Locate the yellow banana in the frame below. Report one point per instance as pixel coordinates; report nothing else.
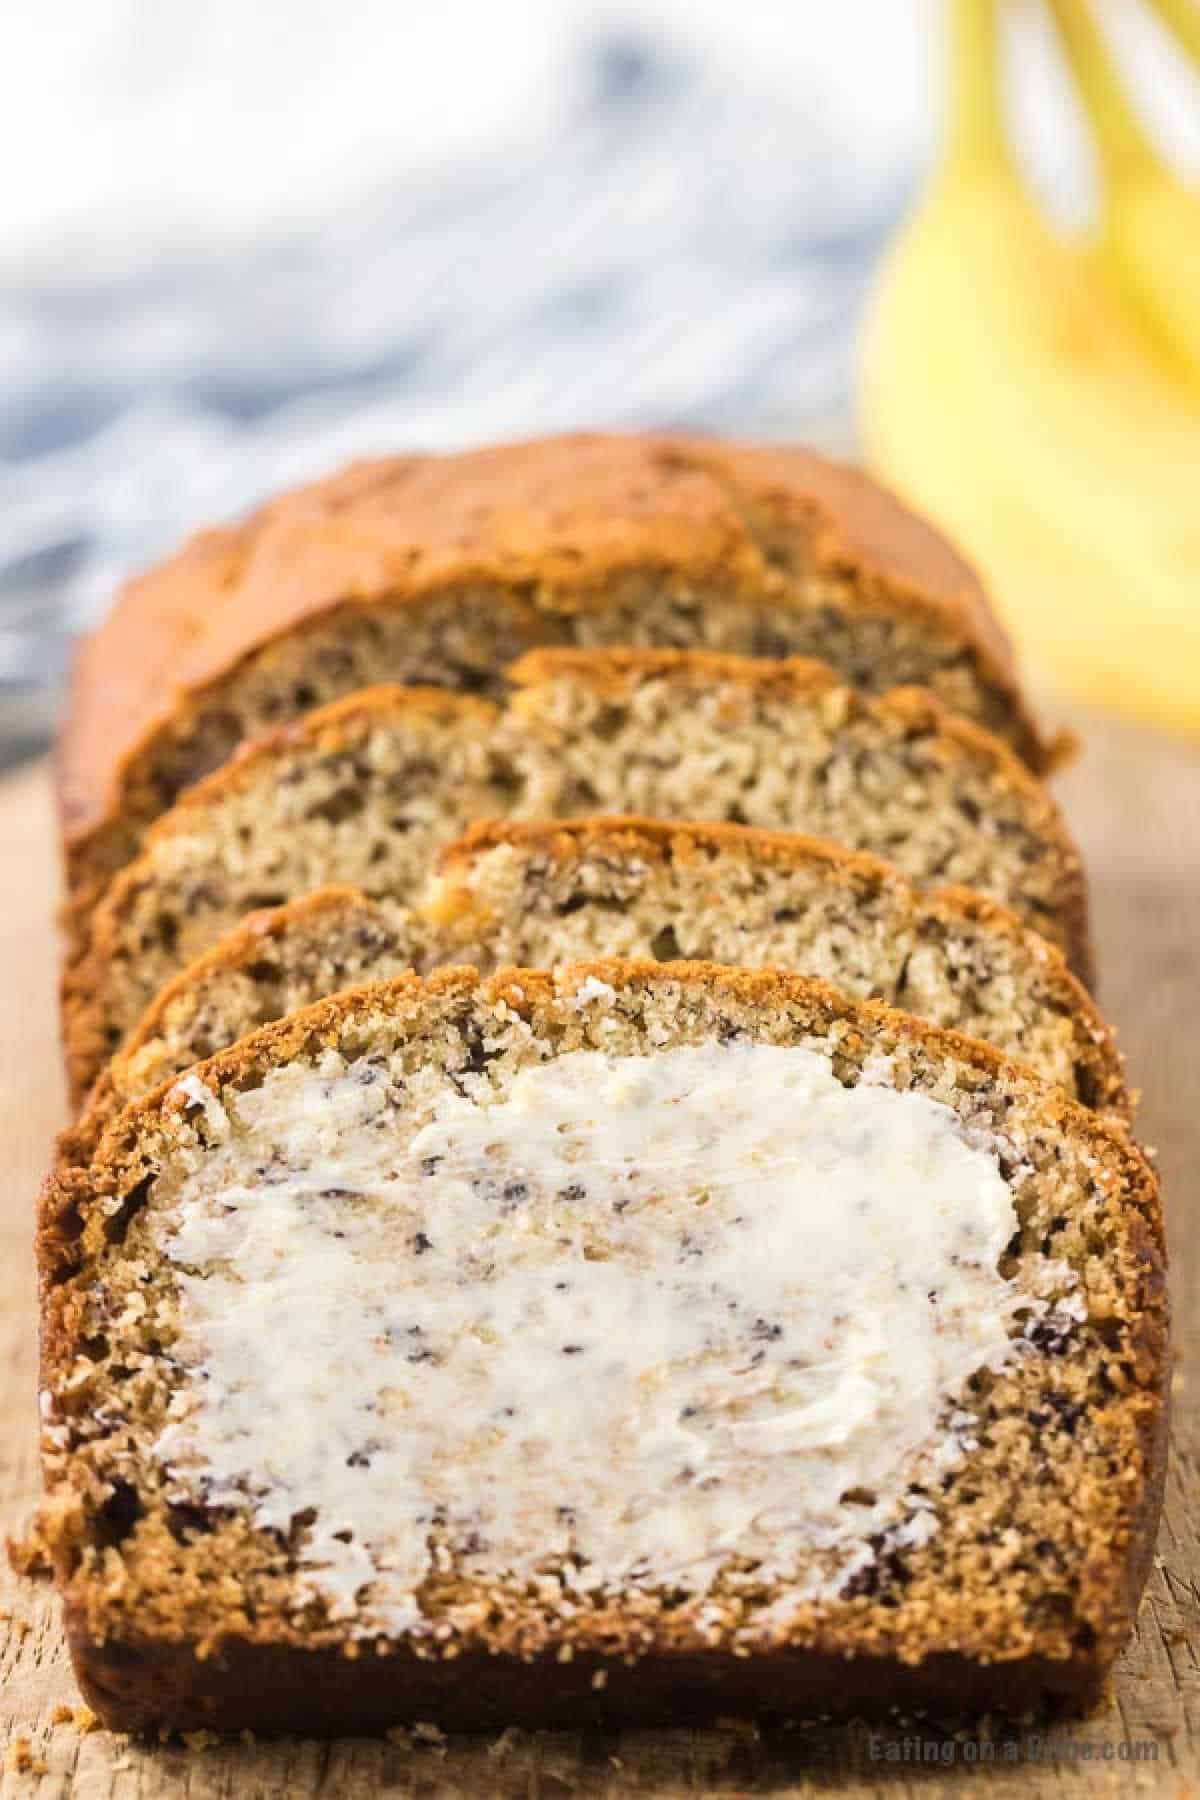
(1149, 245)
(1182, 17)
(1003, 394)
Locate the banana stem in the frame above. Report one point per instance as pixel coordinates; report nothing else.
(1122, 143)
(1182, 19)
(976, 121)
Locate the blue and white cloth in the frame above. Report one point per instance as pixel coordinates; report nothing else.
(240, 245)
(682, 248)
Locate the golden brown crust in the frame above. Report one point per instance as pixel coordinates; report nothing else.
(548, 528)
(614, 667)
(144, 1670)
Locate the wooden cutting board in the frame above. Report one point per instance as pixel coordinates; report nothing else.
(1134, 801)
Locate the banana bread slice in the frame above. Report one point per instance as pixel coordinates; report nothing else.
(550, 892)
(366, 790)
(629, 1345)
(440, 569)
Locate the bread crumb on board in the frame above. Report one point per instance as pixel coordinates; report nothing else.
(81, 1717)
(20, 1758)
(28, 1552)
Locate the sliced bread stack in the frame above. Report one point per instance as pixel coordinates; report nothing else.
(367, 790)
(844, 1266)
(546, 893)
(435, 569)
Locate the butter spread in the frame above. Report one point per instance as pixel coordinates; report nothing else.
(646, 1313)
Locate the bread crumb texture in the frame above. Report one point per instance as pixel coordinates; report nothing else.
(366, 793)
(543, 894)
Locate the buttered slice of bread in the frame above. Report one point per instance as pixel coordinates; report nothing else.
(634, 1343)
(551, 892)
(368, 790)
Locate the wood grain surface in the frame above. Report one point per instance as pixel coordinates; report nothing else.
(1135, 804)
